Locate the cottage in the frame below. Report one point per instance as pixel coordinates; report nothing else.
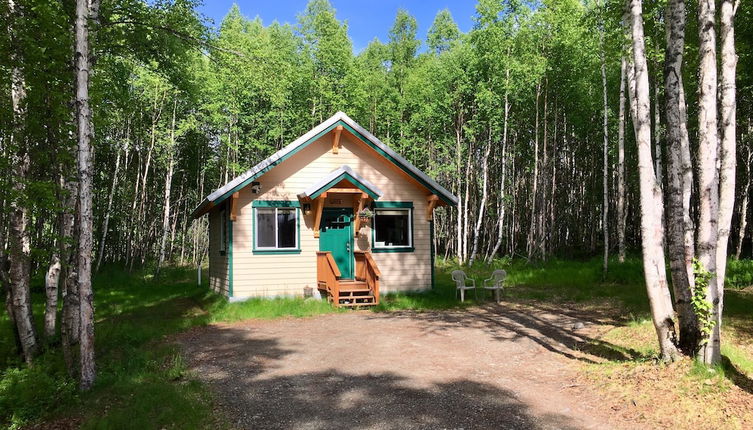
(291, 224)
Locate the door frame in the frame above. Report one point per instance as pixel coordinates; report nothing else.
(351, 241)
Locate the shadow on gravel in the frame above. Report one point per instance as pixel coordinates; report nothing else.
(234, 362)
(552, 329)
(335, 400)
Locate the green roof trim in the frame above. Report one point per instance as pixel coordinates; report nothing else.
(339, 119)
(350, 179)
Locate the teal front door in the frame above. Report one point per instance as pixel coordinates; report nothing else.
(336, 236)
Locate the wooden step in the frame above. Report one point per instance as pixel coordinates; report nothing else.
(357, 300)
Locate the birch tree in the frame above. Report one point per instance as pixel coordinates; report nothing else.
(708, 177)
(19, 245)
(621, 166)
(86, 12)
(679, 180)
(650, 195)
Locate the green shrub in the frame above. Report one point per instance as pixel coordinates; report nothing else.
(739, 274)
(26, 393)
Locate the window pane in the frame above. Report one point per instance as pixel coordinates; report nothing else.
(392, 228)
(265, 228)
(286, 235)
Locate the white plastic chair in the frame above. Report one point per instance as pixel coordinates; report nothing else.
(496, 283)
(461, 284)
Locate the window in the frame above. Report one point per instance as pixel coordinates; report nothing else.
(393, 229)
(223, 232)
(276, 229)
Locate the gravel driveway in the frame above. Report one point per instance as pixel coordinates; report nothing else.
(491, 367)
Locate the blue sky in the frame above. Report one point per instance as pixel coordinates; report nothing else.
(366, 18)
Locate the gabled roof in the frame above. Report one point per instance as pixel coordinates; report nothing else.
(312, 135)
(342, 173)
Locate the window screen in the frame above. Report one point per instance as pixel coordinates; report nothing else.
(392, 228)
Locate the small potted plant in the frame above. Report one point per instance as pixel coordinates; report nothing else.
(365, 215)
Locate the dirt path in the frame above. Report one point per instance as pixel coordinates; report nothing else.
(485, 368)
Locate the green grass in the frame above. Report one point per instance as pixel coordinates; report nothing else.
(268, 308)
(550, 281)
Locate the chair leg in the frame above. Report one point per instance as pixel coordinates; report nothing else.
(462, 295)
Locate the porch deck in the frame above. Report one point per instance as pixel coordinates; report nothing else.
(363, 291)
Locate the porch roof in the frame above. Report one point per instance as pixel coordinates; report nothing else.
(340, 174)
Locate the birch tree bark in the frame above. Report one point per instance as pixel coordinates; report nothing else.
(650, 196)
(727, 151)
(482, 204)
(106, 222)
(51, 282)
(744, 205)
(70, 315)
(679, 180)
(605, 203)
(621, 167)
(708, 179)
(19, 246)
(166, 197)
(727, 162)
(85, 11)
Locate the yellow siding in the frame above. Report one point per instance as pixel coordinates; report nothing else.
(289, 274)
(218, 267)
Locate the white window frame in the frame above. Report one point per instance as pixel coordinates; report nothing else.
(276, 247)
(410, 228)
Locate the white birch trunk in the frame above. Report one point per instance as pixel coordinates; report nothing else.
(744, 206)
(621, 167)
(482, 204)
(650, 195)
(605, 204)
(708, 179)
(166, 197)
(19, 246)
(106, 222)
(84, 12)
(728, 160)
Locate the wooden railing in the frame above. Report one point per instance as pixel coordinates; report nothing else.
(367, 271)
(327, 274)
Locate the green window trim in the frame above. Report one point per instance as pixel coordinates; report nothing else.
(393, 249)
(276, 204)
(230, 259)
(432, 251)
(397, 205)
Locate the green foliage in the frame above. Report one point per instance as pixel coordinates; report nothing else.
(28, 392)
(739, 274)
(701, 306)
